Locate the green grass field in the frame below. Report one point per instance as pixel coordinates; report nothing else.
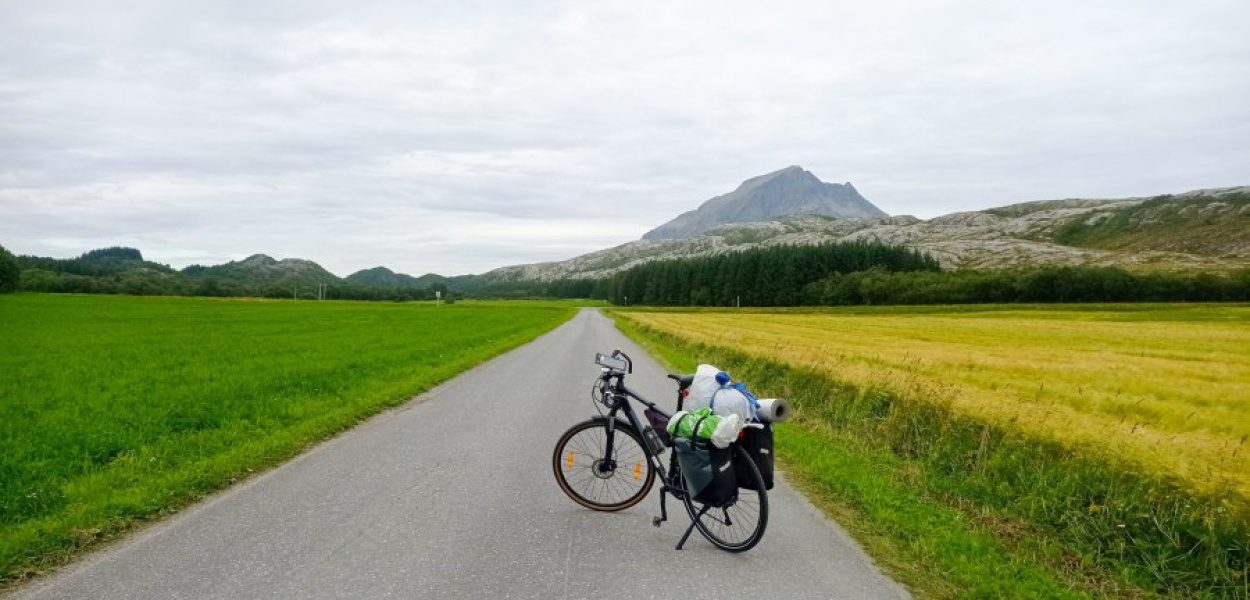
(116, 409)
(1008, 452)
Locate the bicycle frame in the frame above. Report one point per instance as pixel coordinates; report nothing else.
(670, 479)
(620, 404)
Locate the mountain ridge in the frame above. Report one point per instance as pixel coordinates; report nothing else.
(264, 269)
(1163, 232)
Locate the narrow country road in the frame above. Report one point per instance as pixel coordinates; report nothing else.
(451, 496)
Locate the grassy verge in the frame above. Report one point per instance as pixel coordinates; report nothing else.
(115, 410)
(958, 507)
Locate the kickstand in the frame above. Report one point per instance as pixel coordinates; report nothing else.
(663, 511)
(691, 527)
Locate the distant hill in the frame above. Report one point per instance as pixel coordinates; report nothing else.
(123, 271)
(1203, 230)
(383, 277)
(432, 279)
(790, 191)
(261, 270)
(112, 261)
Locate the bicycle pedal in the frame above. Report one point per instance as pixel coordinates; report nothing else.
(656, 521)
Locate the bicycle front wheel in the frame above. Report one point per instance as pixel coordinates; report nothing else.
(596, 480)
(739, 526)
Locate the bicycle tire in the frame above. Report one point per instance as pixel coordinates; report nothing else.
(578, 463)
(739, 526)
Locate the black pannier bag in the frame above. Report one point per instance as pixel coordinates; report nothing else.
(758, 444)
(708, 470)
(659, 422)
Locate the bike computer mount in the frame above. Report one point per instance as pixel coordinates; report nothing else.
(617, 362)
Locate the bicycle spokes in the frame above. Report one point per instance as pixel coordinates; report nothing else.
(598, 478)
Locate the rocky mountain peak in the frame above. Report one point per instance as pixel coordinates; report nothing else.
(792, 172)
(789, 191)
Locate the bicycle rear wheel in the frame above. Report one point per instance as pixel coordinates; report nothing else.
(595, 480)
(739, 526)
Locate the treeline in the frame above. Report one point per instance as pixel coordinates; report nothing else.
(866, 273)
(137, 283)
(1041, 284)
(772, 276)
(535, 290)
(121, 270)
(835, 274)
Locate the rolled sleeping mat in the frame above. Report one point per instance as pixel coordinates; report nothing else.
(773, 410)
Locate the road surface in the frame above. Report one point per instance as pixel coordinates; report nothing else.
(451, 496)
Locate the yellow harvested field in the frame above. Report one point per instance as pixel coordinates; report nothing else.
(1165, 386)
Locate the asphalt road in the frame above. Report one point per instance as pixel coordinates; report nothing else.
(451, 496)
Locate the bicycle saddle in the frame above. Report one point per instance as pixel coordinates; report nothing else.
(683, 381)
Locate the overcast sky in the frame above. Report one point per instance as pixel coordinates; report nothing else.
(456, 137)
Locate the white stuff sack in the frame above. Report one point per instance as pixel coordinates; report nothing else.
(705, 390)
(703, 386)
(729, 401)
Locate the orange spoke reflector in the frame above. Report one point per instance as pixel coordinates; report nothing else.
(570, 459)
(637, 469)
